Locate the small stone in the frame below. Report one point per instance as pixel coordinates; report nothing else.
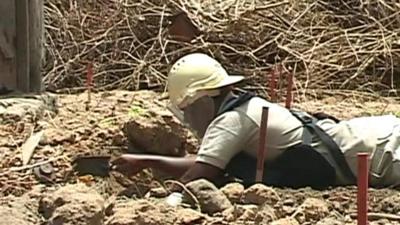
(159, 192)
(259, 194)
(285, 221)
(330, 100)
(189, 216)
(248, 212)
(73, 204)
(240, 213)
(381, 222)
(391, 204)
(288, 210)
(234, 192)
(289, 202)
(329, 221)
(311, 210)
(54, 136)
(265, 214)
(210, 198)
(141, 212)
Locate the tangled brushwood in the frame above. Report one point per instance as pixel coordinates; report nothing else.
(326, 44)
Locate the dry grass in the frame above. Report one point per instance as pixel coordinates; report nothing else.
(326, 44)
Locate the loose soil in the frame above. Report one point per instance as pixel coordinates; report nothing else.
(120, 121)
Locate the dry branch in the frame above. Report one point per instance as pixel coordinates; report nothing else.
(333, 44)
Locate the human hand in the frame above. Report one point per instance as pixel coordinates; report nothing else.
(128, 164)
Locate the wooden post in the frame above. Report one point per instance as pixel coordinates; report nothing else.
(262, 143)
(7, 50)
(22, 37)
(36, 40)
(21, 45)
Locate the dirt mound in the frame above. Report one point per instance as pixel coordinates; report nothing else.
(82, 204)
(100, 130)
(12, 216)
(141, 199)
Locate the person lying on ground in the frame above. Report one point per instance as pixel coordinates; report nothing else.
(301, 149)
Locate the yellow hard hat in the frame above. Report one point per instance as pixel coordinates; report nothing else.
(196, 75)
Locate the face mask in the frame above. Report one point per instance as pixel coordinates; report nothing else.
(179, 114)
(196, 116)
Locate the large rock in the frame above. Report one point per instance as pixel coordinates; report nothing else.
(142, 212)
(73, 205)
(234, 192)
(153, 128)
(209, 197)
(259, 194)
(32, 107)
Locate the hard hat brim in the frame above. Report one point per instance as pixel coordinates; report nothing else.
(229, 80)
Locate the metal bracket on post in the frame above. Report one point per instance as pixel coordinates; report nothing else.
(262, 145)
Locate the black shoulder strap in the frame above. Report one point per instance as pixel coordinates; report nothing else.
(310, 123)
(235, 101)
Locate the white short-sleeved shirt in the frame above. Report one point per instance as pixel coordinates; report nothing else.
(238, 130)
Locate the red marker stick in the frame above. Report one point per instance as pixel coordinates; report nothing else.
(89, 75)
(289, 95)
(262, 145)
(89, 81)
(362, 193)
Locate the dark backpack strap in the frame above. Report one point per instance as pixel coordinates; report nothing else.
(322, 116)
(310, 123)
(235, 101)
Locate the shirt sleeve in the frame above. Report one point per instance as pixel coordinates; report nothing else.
(226, 136)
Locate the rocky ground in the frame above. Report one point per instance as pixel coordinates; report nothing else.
(64, 126)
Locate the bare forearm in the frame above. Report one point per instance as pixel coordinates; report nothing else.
(174, 166)
(185, 169)
(202, 170)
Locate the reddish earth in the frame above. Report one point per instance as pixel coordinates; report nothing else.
(68, 199)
